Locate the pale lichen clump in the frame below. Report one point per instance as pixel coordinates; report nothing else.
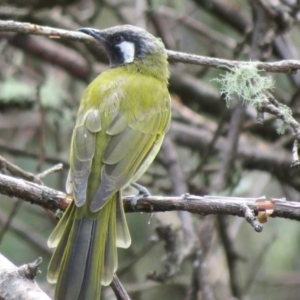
(245, 81)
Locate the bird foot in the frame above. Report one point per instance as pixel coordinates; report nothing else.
(143, 192)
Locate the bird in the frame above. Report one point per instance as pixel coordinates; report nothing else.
(123, 116)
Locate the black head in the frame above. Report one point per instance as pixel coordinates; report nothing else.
(124, 44)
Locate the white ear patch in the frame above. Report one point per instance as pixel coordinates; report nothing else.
(128, 50)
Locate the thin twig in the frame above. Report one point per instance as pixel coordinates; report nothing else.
(171, 162)
(16, 171)
(200, 28)
(250, 218)
(137, 256)
(295, 160)
(172, 264)
(10, 217)
(191, 241)
(27, 234)
(42, 129)
(260, 117)
(199, 280)
(30, 154)
(209, 149)
(231, 257)
(272, 106)
(118, 289)
(53, 169)
(223, 177)
(256, 264)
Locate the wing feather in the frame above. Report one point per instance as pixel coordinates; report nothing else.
(126, 151)
(84, 144)
(93, 120)
(117, 125)
(82, 152)
(118, 147)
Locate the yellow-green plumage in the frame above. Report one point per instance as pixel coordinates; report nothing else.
(122, 119)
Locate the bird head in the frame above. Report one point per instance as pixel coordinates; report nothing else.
(126, 43)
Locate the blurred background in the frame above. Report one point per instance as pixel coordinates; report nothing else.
(210, 148)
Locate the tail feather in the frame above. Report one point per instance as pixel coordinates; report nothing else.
(91, 285)
(86, 252)
(123, 234)
(110, 262)
(64, 222)
(71, 272)
(94, 270)
(58, 240)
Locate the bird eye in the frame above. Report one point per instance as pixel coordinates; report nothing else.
(117, 39)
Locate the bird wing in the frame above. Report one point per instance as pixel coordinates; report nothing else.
(132, 144)
(83, 147)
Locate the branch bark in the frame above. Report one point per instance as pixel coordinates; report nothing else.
(17, 283)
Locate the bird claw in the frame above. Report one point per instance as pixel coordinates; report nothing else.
(143, 192)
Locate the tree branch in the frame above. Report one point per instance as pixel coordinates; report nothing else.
(118, 289)
(17, 283)
(203, 205)
(286, 66)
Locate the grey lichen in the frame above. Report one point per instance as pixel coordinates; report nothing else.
(245, 81)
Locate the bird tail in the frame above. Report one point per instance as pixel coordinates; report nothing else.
(86, 250)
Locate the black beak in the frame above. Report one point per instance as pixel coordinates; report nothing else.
(96, 34)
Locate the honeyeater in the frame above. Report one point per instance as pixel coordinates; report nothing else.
(122, 119)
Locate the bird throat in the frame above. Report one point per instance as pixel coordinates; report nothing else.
(154, 65)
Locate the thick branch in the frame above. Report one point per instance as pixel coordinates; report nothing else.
(31, 192)
(202, 205)
(17, 283)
